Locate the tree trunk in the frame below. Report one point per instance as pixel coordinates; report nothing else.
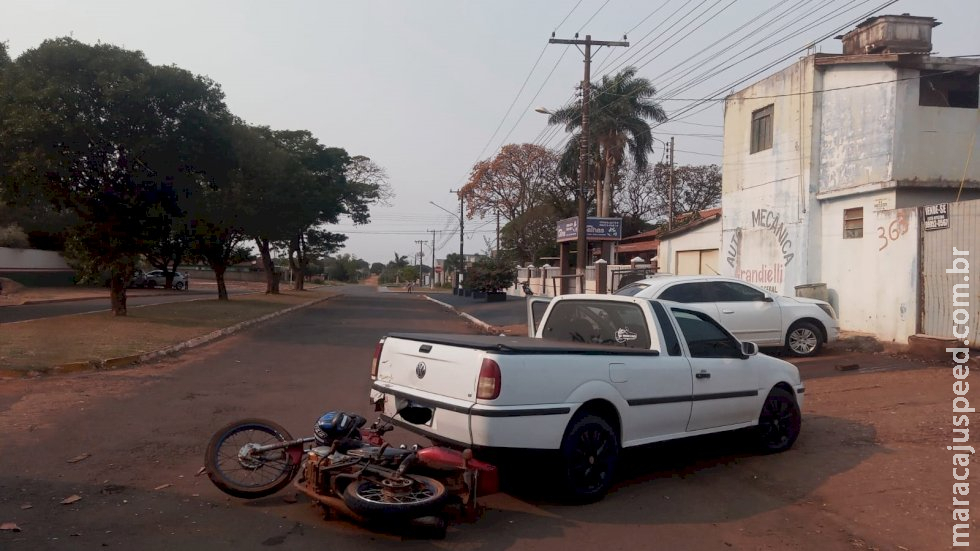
(117, 294)
(298, 263)
(271, 276)
(607, 186)
(219, 277)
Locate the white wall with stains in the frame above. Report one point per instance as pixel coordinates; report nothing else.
(857, 128)
(872, 281)
(932, 143)
(765, 195)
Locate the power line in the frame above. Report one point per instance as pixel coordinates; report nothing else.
(589, 20)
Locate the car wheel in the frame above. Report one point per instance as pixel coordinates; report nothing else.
(590, 454)
(179, 285)
(804, 339)
(779, 422)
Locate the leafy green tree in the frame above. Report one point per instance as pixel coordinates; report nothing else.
(103, 133)
(377, 268)
(619, 110)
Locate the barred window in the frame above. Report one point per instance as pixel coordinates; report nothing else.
(854, 223)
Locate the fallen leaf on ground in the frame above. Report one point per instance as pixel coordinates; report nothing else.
(26, 506)
(162, 486)
(202, 471)
(81, 457)
(9, 526)
(71, 499)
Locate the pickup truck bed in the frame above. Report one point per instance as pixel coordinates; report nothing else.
(520, 345)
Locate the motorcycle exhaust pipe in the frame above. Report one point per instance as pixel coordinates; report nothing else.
(334, 503)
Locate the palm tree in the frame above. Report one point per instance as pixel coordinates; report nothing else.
(619, 109)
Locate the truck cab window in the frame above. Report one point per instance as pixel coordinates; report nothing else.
(594, 322)
(704, 337)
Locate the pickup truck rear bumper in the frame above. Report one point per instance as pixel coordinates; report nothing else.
(478, 425)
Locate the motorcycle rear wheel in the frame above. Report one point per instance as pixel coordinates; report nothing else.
(239, 473)
(370, 499)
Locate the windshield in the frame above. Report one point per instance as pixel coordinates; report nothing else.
(631, 290)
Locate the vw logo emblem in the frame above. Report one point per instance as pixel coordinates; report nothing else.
(420, 370)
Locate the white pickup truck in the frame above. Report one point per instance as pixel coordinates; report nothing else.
(600, 373)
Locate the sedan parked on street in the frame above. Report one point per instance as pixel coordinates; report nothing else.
(801, 325)
(157, 278)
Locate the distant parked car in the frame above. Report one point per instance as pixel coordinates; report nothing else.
(138, 280)
(156, 278)
(802, 325)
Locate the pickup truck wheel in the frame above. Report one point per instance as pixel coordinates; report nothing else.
(590, 453)
(779, 422)
(803, 339)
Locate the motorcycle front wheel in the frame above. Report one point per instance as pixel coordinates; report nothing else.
(403, 498)
(236, 469)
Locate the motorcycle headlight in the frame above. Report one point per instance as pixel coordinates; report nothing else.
(829, 310)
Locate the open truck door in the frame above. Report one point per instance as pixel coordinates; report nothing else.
(536, 307)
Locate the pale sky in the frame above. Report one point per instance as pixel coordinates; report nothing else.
(420, 87)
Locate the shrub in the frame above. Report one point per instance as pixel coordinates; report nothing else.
(490, 275)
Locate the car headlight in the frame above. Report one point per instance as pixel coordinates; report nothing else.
(829, 310)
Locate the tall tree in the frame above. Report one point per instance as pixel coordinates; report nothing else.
(645, 194)
(619, 110)
(105, 134)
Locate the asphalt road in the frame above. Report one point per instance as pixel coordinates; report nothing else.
(25, 312)
(145, 430)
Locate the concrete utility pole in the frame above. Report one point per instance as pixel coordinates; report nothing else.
(583, 160)
(432, 274)
(420, 243)
(670, 188)
(462, 261)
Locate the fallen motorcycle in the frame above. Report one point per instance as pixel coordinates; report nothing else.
(350, 469)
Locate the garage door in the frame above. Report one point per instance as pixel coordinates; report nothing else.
(688, 262)
(697, 262)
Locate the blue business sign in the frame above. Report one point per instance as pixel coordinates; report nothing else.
(596, 229)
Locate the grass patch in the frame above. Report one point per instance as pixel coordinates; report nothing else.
(45, 343)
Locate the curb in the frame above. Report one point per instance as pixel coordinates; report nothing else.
(124, 361)
(486, 327)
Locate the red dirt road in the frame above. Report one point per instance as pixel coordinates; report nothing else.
(870, 470)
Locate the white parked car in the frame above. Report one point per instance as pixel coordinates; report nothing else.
(157, 278)
(752, 314)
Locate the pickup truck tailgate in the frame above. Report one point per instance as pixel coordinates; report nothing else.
(430, 370)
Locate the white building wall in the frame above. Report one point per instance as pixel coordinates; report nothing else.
(857, 128)
(31, 259)
(704, 238)
(932, 143)
(765, 195)
(873, 280)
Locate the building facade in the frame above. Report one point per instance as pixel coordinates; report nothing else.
(825, 160)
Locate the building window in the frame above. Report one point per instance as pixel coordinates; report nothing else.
(949, 89)
(854, 223)
(761, 129)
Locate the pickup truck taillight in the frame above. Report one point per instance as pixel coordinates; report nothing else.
(377, 359)
(488, 386)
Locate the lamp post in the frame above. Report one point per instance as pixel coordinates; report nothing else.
(459, 272)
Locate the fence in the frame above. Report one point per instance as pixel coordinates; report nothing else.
(545, 281)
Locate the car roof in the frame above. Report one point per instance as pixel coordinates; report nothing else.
(660, 281)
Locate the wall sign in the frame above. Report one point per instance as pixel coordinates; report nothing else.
(936, 217)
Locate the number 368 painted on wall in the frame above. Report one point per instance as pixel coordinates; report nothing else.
(897, 228)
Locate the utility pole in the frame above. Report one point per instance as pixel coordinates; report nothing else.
(420, 243)
(670, 188)
(497, 252)
(432, 274)
(462, 262)
(583, 153)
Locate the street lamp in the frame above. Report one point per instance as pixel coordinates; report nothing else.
(583, 168)
(459, 272)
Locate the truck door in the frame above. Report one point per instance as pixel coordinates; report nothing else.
(725, 385)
